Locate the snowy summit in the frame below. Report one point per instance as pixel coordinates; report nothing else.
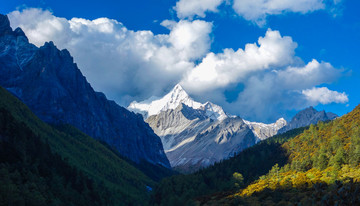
(173, 99)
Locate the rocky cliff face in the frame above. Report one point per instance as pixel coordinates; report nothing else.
(193, 140)
(178, 126)
(51, 84)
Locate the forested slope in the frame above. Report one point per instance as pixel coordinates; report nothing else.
(224, 177)
(322, 169)
(48, 166)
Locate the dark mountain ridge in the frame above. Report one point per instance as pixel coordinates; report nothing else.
(307, 117)
(50, 83)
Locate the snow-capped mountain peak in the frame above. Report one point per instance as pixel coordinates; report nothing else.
(263, 131)
(214, 111)
(173, 99)
(280, 122)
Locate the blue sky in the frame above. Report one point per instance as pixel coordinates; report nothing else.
(327, 31)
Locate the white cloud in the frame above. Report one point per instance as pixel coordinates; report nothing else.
(133, 65)
(313, 73)
(258, 10)
(324, 96)
(191, 39)
(220, 70)
(191, 8)
(41, 25)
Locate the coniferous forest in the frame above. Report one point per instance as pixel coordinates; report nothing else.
(32, 175)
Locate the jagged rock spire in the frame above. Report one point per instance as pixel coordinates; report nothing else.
(4, 25)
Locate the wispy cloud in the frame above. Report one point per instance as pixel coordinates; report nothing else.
(258, 10)
(255, 11)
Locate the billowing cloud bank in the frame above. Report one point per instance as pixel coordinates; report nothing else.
(133, 65)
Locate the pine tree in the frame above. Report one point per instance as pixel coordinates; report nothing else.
(339, 158)
(321, 159)
(239, 179)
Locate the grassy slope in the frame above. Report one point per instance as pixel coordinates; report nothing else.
(126, 183)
